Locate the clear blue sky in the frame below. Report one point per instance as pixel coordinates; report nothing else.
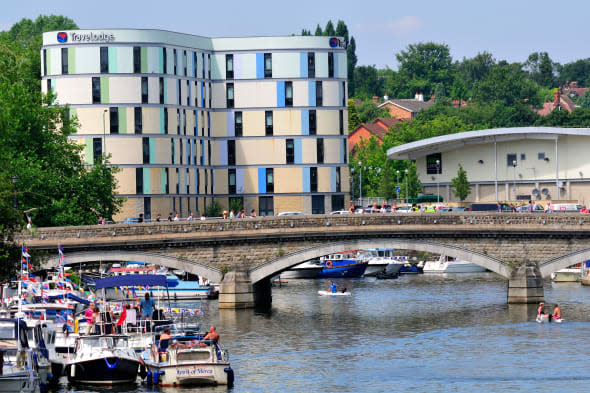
(509, 29)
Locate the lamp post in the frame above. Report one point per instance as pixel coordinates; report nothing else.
(514, 189)
(397, 184)
(104, 135)
(14, 181)
(360, 183)
(437, 181)
(406, 186)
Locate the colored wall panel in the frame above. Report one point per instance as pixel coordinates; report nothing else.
(253, 123)
(246, 66)
(124, 59)
(300, 93)
(259, 94)
(144, 59)
(153, 60)
(287, 122)
(152, 142)
(305, 180)
(218, 66)
(162, 129)
(304, 122)
(240, 180)
(218, 124)
(333, 179)
(122, 120)
(104, 90)
(328, 122)
(230, 120)
(297, 143)
(331, 90)
(321, 65)
(311, 93)
(161, 60)
(222, 157)
(72, 89)
(112, 51)
(124, 90)
(280, 94)
(260, 66)
(285, 65)
(340, 65)
(72, 61)
(261, 180)
(288, 179)
(303, 64)
(88, 151)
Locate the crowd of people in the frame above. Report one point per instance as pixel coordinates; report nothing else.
(105, 321)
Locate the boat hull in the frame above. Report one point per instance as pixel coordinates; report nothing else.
(411, 269)
(191, 374)
(567, 275)
(101, 371)
(297, 273)
(374, 269)
(19, 382)
(452, 267)
(344, 270)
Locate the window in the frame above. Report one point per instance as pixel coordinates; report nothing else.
(511, 159)
(238, 124)
(144, 90)
(165, 120)
(231, 181)
(196, 95)
(195, 66)
(49, 89)
(177, 121)
(313, 179)
(64, 60)
(178, 181)
(209, 152)
(184, 121)
(268, 65)
(338, 179)
(172, 151)
(147, 207)
(145, 144)
(44, 62)
(320, 150)
(139, 180)
(96, 149)
(290, 150)
(165, 70)
(136, 59)
(310, 65)
(209, 95)
(522, 156)
(312, 122)
(138, 118)
(337, 202)
(540, 156)
(330, 64)
(288, 93)
(181, 155)
(167, 171)
(179, 92)
(270, 180)
(184, 62)
(104, 60)
(230, 95)
(268, 123)
(161, 90)
(343, 93)
(341, 121)
(434, 164)
(317, 204)
(188, 93)
(229, 66)
(319, 99)
(114, 120)
(231, 152)
(203, 68)
(208, 66)
(95, 90)
(265, 206)
(175, 60)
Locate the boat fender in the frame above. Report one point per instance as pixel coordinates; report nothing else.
(149, 378)
(142, 372)
(73, 370)
(156, 376)
(329, 264)
(230, 376)
(111, 366)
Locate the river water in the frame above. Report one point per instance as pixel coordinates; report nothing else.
(446, 333)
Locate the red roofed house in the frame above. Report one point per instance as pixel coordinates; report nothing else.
(560, 101)
(406, 109)
(378, 129)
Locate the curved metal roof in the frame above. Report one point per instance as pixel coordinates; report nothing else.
(440, 144)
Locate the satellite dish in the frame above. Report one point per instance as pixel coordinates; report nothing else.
(535, 192)
(545, 191)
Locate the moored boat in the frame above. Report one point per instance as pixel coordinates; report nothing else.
(444, 265)
(17, 360)
(342, 264)
(309, 269)
(569, 274)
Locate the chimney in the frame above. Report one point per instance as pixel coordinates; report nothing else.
(555, 99)
(376, 100)
(385, 97)
(419, 97)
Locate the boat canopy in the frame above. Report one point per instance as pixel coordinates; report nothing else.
(132, 280)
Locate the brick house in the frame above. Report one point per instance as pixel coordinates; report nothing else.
(378, 129)
(406, 109)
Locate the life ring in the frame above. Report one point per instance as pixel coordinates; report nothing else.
(329, 264)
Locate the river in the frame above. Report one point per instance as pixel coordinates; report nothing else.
(424, 333)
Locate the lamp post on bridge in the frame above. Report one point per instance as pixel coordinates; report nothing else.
(514, 189)
(437, 181)
(397, 184)
(360, 183)
(406, 186)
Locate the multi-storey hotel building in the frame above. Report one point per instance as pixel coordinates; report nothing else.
(190, 119)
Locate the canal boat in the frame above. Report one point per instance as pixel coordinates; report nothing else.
(18, 367)
(187, 360)
(445, 265)
(102, 360)
(342, 264)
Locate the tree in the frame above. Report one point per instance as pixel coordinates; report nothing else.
(214, 209)
(318, 30)
(353, 117)
(578, 71)
(329, 30)
(368, 112)
(423, 65)
(541, 68)
(366, 82)
(584, 100)
(351, 61)
(460, 184)
(414, 185)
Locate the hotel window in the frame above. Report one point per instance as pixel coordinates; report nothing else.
(95, 90)
(206, 180)
(144, 90)
(104, 60)
(44, 62)
(268, 65)
(231, 152)
(181, 155)
(330, 64)
(139, 180)
(196, 95)
(288, 93)
(208, 66)
(165, 120)
(165, 70)
(184, 62)
(344, 151)
(337, 202)
(337, 179)
(184, 121)
(174, 55)
(96, 149)
(178, 181)
(317, 204)
(172, 151)
(270, 180)
(145, 144)
(343, 93)
(114, 120)
(290, 151)
(136, 60)
(147, 207)
(231, 181)
(179, 91)
(161, 90)
(188, 93)
(138, 118)
(229, 66)
(49, 89)
(208, 123)
(209, 95)
(265, 206)
(230, 95)
(268, 123)
(167, 171)
(203, 65)
(312, 122)
(313, 179)
(319, 99)
(238, 124)
(320, 150)
(341, 121)
(310, 65)
(177, 121)
(64, 60)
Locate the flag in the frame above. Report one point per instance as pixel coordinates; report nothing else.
(25, 252)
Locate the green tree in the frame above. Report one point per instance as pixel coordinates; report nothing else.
(351, 60)
(460, 184)
(507, 84)
(329, 30)
(423, 65)
(541, 68)
(214, 209)
(414, 187)
(367, 83)
(584, 100)
(318, 30)
(368, 112)
(353, 117)
(578, 71)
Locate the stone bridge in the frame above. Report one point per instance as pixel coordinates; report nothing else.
(522, 247)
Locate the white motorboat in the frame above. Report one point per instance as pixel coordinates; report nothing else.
(309, 269)
(569, 274)
(102, 360)
(378, 259)
(444, 265)
(16, 358)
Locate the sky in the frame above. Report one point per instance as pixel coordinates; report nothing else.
(510, 30)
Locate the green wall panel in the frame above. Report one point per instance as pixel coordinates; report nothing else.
(104, 90)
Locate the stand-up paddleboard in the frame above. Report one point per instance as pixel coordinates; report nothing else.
(547, 320)
(328, 293)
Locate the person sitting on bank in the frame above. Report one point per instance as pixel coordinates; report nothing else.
(333, 287)
(556, 312)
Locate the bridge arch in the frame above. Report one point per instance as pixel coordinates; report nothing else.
(555, 264)
(285, 262)
(197, 268)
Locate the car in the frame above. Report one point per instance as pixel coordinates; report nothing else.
(131, 220)
(489, 207)
(403, 209)
(281, 214)
(340, 212)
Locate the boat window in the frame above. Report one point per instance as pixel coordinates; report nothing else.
(6, 330)
(120, 342)
(193, 356)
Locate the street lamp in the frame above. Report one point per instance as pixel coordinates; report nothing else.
(104, 135)
(437, 181)
(514, 189)
(406, 186)
(361, 183)
(397, 185)
(14, 181)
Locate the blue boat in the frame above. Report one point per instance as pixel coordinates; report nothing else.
(343, 264)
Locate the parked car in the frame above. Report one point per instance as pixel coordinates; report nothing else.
(489, 207)
(340, 212)
(403, 209)
(281, 214)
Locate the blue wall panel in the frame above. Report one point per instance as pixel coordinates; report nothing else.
(333, 179)
(311, 93)
(231, 130)
(222, 153)
(240, 180)
(297, 143)
(261, 180)
(304, 122)
(303, 64)
(146, 181)
(260, 66)
(281, 94)
(306, 180)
